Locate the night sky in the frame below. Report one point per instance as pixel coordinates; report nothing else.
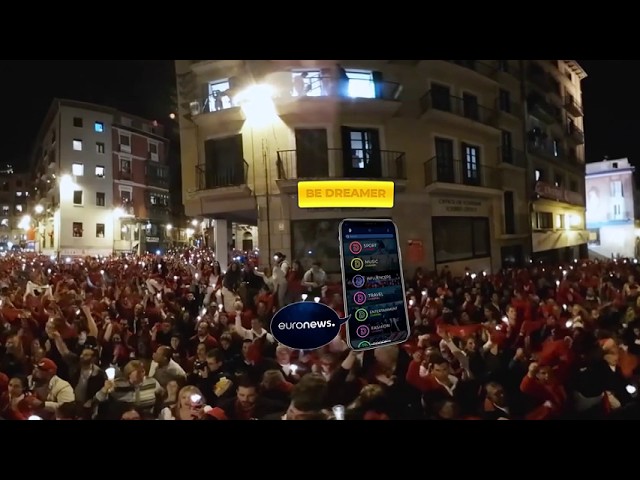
(144, 88)
(138, 87)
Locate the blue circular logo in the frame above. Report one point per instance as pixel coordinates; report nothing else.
(358, 281)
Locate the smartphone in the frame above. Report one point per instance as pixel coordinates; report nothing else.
(373, 283)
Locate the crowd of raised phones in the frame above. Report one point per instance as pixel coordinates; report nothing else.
(175, 338)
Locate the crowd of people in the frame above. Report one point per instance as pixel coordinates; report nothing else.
(174, 337)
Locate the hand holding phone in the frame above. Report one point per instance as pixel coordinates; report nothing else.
(373, 283)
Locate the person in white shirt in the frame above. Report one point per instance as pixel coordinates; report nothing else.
(279, 273)
(164, 368)
(50, 390)
(257, 330)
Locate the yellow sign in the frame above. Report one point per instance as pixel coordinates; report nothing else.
(346, 194)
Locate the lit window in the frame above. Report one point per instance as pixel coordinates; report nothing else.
(308, 84)
(100, 171)
(77, 169)
(98, 127)
(361, 85)
(219, 98)
(77, 145)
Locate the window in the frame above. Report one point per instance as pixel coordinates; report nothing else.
(77, 229)
(77, 169)
(509, 214)
(77, 197)
(125, 166)
(594, 237)
(308, 83)
(224, 162)
(77, 122)
(125, 196)
(616, 189)
(98, 127)
(542, 221)
(504, 101)
(471, 164)
(77, 145)
(5, 209)
(219, 96)
(440, 97)
(362, 156)
(4, 222)
(460, 238)
(99, 171)
(99, 147)
(470, 107)
(125, 143)
(99, 230)
(361, 85)
(539, 175)
(159, 199)
(100, 199)
(560, 221)
(153, 151)
(506, 149)
(19, 208)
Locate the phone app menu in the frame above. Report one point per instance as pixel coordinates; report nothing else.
(374, 290)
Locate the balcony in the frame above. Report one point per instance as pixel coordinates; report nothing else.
(222, 191)
(445, 175)
(538, 107)
(546, 148)
(540, 78)
(217, 112)
(512, 156)
(573, 107)
(158, 177)
(160, 212)
(574, 134)
(337, 163)
(485, 70)
(302, 94)
(456, 109)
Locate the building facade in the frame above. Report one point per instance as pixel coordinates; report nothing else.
(101, 180)
(611, 209)
(451, 135)
(555, 149)
(14, 199)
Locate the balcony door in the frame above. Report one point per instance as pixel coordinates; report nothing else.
(445, 164)
(224, 162)
(471, 164)
(312, 154)
(361, 153)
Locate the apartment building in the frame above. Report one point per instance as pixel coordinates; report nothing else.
(611, 209)
(14, 198)
(101, 182)
(555, 148)
(451, 135)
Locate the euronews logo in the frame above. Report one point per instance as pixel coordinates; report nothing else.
(306, 325)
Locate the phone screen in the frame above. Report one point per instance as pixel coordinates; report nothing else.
(373, 283)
